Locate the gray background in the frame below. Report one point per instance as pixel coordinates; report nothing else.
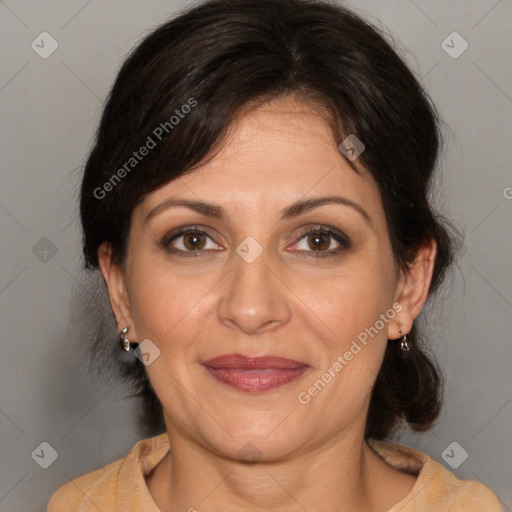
(49, 112)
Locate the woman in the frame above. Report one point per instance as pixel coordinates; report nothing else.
(257, 204)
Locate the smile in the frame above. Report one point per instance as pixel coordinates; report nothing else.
(254, 374)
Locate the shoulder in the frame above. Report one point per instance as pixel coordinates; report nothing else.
(87, 491)
(463, 495)
(436, 487)
(104, 488)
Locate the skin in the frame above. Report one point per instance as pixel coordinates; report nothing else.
(288, 302)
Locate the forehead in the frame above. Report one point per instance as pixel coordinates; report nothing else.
(276, 153)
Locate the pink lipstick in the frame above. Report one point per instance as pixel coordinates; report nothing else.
(254, 374)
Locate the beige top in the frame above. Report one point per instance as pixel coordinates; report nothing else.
(121, 487)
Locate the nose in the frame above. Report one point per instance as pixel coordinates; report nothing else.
(254, 299)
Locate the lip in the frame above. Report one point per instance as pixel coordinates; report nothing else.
(254, 374)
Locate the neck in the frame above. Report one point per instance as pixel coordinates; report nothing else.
(342, 476)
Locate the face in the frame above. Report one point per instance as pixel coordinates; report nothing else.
(316, 284)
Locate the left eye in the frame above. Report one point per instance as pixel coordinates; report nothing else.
(322, 241)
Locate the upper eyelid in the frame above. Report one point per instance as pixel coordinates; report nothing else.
(184, 230)
(330, 231)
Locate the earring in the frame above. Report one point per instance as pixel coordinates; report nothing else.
(403, 340)
(403, 343)
(126, 341)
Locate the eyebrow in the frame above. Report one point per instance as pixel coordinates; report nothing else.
(291, 211)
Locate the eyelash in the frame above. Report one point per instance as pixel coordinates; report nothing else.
(337, 235)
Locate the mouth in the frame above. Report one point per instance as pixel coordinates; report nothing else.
(254, 374)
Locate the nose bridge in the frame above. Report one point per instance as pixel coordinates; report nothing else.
(253, 299)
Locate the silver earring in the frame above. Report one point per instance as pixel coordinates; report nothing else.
(126, 341)
(403, 341)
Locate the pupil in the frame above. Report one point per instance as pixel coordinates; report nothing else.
(317, 241)
(193, 241)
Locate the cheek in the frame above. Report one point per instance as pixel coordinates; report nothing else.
(170, 311)
(165, 304)
(351, 355)
(355, 312)
(164, 312)
(353, 300)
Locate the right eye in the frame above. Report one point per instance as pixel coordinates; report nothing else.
(189, 240)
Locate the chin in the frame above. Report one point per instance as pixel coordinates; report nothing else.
(263, 439)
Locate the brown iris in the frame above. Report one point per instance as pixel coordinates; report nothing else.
(192, 240)
(316, 240)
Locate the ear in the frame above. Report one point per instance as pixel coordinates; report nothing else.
(114, 278)
(412, 288)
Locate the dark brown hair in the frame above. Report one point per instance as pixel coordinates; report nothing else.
(223, 55)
